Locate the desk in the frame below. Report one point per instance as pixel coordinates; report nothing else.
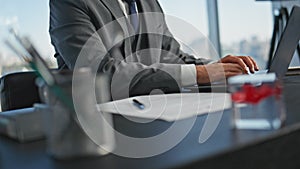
(224, 149)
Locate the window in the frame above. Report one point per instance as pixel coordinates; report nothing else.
(191, 11)
(246, 28)
(29, 18)
(191, 29)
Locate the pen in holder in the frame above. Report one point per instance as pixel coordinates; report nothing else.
(257, 102)
(66, 135)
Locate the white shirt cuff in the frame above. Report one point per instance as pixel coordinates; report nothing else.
(188, 75)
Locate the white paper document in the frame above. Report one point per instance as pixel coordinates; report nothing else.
(169, 107)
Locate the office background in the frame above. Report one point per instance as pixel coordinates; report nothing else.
(233, 26)
(225, 23)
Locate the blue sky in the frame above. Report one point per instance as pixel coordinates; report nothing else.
(238, 18)
(30, 17)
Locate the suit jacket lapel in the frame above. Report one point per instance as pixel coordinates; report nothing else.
(114, 7)
(151, 23)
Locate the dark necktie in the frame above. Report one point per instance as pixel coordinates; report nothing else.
(133, 14)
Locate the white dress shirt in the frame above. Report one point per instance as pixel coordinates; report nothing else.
(188, 71)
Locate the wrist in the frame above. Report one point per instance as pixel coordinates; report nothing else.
(202, 75)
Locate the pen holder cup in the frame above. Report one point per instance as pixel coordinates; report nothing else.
(73, 125)
(257, 102)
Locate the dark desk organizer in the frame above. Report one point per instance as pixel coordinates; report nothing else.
(18, 90)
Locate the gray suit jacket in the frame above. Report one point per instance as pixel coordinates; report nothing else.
(95, 33)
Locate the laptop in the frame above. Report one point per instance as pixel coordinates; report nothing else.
(287, 45)
(283, 55)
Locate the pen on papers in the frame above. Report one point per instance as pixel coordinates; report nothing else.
(138, 104)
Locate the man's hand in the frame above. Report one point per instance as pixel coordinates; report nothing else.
(224, 68)
(246, 62)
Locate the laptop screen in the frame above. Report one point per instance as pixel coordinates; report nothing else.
(287, 45)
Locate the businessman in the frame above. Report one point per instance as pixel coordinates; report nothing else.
(130, 40)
